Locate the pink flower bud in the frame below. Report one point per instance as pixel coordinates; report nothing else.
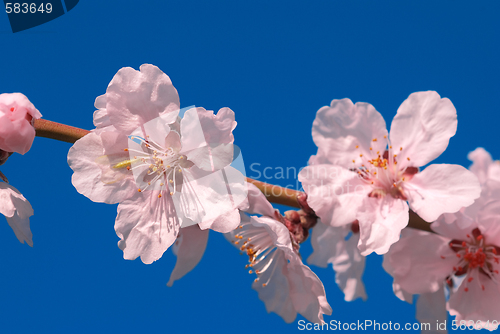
(16, 123)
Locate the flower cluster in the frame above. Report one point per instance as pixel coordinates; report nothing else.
(176, 174)
(463, 255)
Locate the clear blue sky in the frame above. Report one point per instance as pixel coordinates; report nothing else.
(275, 63)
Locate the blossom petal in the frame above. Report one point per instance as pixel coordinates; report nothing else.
(217, 195)
(342, 126)
(334, 193)
(330, 246)
(258, 203)
(380, 224)
(307, 292)
(191, 245)
(475, 303)
(147, 226)
(21, 227)
(420, 262)
(422, 127)
(16, 208)
(218, 129)
(276, 293)
(12, 202)
(481, 164)
(431, 308)
(440, 189)
(136, 97)
(292, 282)
(93, 174)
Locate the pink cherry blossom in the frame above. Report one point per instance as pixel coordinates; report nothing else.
(339, 246)
(363, 173)
(166, 172)
(17, 114)
(283, 282)
(466, 246)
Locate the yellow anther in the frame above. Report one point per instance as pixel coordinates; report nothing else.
(125, 149)
(408, 158)
(400, 148)
(139, 190)
(361, 155)
(357, 146)
(168, 166)
(385, 137)
(159, 195)
(250, 271)
(354, 161)
(374, 139)
(180, 170)
(171, 193)
(171, 181)
(264, 284)
(181, 157)
(371, 149)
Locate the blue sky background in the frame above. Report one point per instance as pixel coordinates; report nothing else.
(275, 63)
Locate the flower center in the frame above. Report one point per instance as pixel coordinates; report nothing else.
(257, 244)
(154, 164)
(382, 172)
(475, 257)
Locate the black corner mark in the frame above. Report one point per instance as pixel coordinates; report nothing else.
(70, 4)
(26, 14)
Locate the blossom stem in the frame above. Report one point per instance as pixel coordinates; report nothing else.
(275, 194)
(58, 131)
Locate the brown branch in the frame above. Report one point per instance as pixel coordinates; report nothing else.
(58, 131)
(275, 194)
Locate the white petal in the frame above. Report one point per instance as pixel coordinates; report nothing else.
(380, 224)
(21, 227)
(423, 126)
(258, 203)
(481, 162)
(94, 175)
(431, 308)
(147, 226)
(210, 196)
(420, 263)
(440, 189)
(330, 246)
(12, 202)
(192, 243)
(334, 193)
(136, 97)
(342, 126)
